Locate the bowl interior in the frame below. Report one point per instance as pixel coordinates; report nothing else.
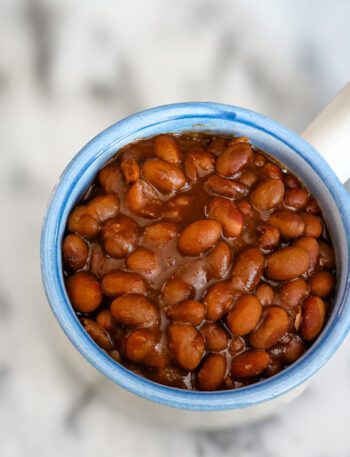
(286, 147)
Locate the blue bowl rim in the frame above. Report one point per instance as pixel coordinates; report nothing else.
(280, 384)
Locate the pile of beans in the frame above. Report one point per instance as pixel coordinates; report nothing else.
(198, 262)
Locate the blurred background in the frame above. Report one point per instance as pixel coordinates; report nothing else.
(68, 69)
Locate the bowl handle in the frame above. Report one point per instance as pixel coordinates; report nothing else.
(329, 133)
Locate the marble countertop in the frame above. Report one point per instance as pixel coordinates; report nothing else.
(69, 69)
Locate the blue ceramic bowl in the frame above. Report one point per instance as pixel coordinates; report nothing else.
(268, 135)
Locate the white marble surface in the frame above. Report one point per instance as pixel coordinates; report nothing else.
(67, 70)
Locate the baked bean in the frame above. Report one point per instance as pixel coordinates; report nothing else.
(247, 269)
(193, 272)
(166, 148)
(160, 233)
(172, 376)
(75, 252)
(216, 146)
(245, 315)
(142, 200)
(291, 181)
(84, 291)
(248, 178)
(291, 294)
(287, 263)
(259, 160)
(199, 163)
(189, 311)
(314, 315)
(226, 187)
(135, 311)
(272, 171)
(218, 300)
(265, 294)
(100, 263)
(296, 198)
(215, 337)
(144, 262)
(237, 345)
(294, 349)
(268, 194)
(274, 325)
(164, 176)
(115, 355)
(322, 284)
(103, 207)
(97, 333)
(176, 290)
(118, 283)
(310, 245)
(187, 345)
(290, 225)
(218, 261)
(269, 236)
(312, 207)
(327, 257)
(130, 168)
(104, 319)
(120, 236)
(245, 208)
(110, 178)
(212, 372)
(198, 237)
(234, 158)
(227, 213)
(313, 225)
(82, 223)
(139, 344)
(178, 208)
(249, 364)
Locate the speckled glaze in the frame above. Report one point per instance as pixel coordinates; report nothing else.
(268, 135)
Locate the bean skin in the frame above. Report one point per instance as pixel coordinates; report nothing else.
(267, 195)
(218, 300)
(313, 225)
(104, 207)
(296, 199)
(117, 283)
(269, 236)
(130, 169)
(139, 344)
(187, 345)
(265, 294)
(82, 223)
(176, 290)
(314, 314)
(245, 315)
(104, 319)
(247, 269)
(290, 225)
(273, 326)
(291, 294)
(160, 233)
(97, 333)
(322, 284)
(234, 158)
(163, 175)
(110, 179)
(144, 262)
(215, 337)
(188, 311)
(216, 184)
(310, 245)
(199, 163)
(166, 148)
(84, 292)
(120, 236)
(327, 257)
(142, 200)
(287, 263)
(212, 372)
(198, 237)
(218, 261)
(229, 216)
(134, 311)
(272, 171)
(249, 364)
(75, 252)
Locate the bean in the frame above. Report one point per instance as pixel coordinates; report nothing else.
(178, 208)
(218, 299)
(110, 178)
(84, 292)
(313, 225)
(187, 345)
(212, 372)
(294, 349)
(287, 263)
(248, 178)
(193, 272)
(142, 200)
(115, 355)
(176, 290)
(268, 194)
(259, 160)
(198, 237)
(327, 257)
(272, 171)
(291, 294)
(296, 198)
(215, 337)
(120, 236)
(269, 236)
(199, 163)
(249, 364)
(245, 208)
(118, 283)
(100, 263)
(273, 326)
(265, 294)
(160, 233)
(167, 148)
(134, 311)
(291, 181)
(313, 319)
(97, 333)
(103, 207)
(82, 223)
(104, 319)
(289, 224)
(245, 315)
(216, 146)
(139, 344)
(144, 262)
(322, 284)
(312, 207)
(247, 269)
(218, 261)
(130, 168)
(75, 252)
(237, 345)
(310, 245)
(225, 187)
(227, 213)
(189, 311)
(234, 158)
(172, 376)
(164, 176)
